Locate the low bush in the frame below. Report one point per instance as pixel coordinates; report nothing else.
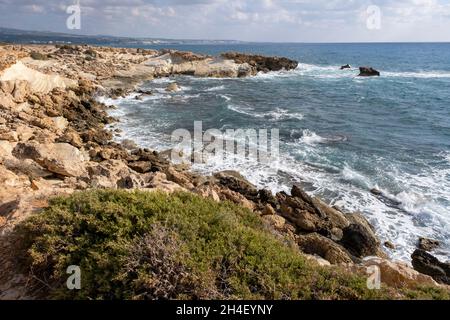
(143, 245)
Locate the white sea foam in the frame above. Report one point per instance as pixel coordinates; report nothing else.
(311, 138)
(217, 88)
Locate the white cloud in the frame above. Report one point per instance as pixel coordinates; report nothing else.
(270, 20)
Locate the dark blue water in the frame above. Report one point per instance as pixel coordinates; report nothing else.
(340, 135)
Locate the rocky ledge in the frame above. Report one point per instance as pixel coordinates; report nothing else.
(53, 141)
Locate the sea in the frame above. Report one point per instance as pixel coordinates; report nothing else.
(341, 136)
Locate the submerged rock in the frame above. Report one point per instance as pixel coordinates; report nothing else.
(347, 66)
(368, 72)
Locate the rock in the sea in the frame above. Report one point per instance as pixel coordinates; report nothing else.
(173, 87)
(427, 264)
(428, 244)
(368, 72)
(262, 63)
(347, 66)
(59, 158)
(389, 245)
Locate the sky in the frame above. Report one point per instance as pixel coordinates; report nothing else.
(246, 20)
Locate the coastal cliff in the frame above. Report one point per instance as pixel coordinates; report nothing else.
(54, 141)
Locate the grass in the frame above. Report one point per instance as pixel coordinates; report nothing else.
(141, 245)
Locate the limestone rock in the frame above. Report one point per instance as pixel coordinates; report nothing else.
(59, 158)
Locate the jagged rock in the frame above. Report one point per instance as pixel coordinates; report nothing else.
(427, 264)
(394, 274)
(159, 181)
(60, 158)
(359, 238)
(72, 137)
(317, 244)
(368, 72)
(181, 178)
(428, 244)
(236, 182)
(114, 174)
(262, 63)
(173, 87)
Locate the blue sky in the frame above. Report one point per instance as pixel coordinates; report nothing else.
(248, 20)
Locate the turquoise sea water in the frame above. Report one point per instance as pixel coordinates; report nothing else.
(340, 135)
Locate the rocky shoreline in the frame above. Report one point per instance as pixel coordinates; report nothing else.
(54, 140)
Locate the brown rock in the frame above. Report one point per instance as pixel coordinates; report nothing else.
(314, 243)
(427, 264)
(428, 244)
(60, 158)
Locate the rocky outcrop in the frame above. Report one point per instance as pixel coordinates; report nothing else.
(262, 63)
(368, 72)
(427, 264)
(310, 215)
(394, 274)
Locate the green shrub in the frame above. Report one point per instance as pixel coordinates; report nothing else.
(142, 245)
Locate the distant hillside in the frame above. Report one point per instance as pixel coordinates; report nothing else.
(46, 37)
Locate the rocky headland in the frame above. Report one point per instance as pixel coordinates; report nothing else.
(54, 141)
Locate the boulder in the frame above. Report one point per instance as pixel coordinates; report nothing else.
(236, 182)
(72, 137)
(427, 264)
(317, 244)
(347, 66)
(428, 244)
(173, 87)
(114, 174)
(394, 274)
(360, 240)
(59, 158)
(368, 72)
